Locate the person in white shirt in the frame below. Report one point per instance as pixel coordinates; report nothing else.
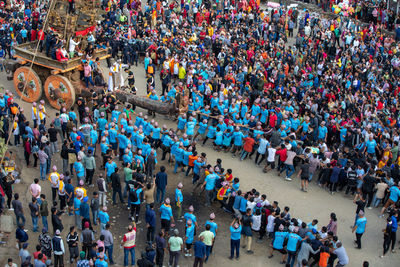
(270, 159)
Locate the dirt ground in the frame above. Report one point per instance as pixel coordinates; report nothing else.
(316, 204)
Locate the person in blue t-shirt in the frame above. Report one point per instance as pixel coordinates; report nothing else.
(236, 230)
(294, 241)
(109, 169)
(209, 186)
(189, 238)
(166, 215)
(278, 243)
(359, 228)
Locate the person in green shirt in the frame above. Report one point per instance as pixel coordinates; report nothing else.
(175, 245)
(395, 151)
(128, 177)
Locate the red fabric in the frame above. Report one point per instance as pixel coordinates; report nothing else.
(86, 31)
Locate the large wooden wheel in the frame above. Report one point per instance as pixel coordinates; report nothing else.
(59, 90)
(27, 84)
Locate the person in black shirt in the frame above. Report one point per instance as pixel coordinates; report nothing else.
(53, 138)
(116, 186)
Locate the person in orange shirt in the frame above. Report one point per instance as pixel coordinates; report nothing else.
(192, 158)
(247, 147)
(323, 257)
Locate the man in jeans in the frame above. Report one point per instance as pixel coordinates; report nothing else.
(108, 242)
(129, 243)
(34, 208)
(90, 164)
(161, 183)
(209, 186)
(175, 245)
(43, 163)
(18, 211)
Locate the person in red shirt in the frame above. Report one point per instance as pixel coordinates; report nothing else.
(272, 119)
(39, 251)
(282, 153)
(247, 147)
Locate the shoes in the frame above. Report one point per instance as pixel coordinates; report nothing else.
(288, 178)
(381, 256)
(370, 208)
(231, 258)
(393, 251)
(250, 252)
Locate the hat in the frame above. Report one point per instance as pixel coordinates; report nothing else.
(180, 185)
(82, 254)
(81, 182)
(258, 205)
(176, 231)
(167, 201)
(78, 138)
(86, 225)
(104, 208)
(58, 232)
(191, 208)
(314, 231)
(212, 216)
(25, 245)
(61, 176)
(360, 213)
(54, 168)
(236, 225)
(44, 230)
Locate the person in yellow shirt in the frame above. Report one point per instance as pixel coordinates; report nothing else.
(80, 190)
(181, 72)
(54, 179)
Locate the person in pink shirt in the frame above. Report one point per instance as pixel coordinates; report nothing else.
(35, 189)
(87, 73)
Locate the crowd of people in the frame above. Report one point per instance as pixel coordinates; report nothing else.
(326, 105)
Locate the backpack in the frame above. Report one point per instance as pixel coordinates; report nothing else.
(133, 196)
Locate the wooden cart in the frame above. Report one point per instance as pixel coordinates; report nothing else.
(60, 81)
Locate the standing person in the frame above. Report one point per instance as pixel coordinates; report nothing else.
(161, 184)
(44, 210)
(135, 200)
(175, 246)
(166, 215)
(95, 206)
(87, 239)
(247, 234)
(108, 242)
(34, 208)
(199, 252)
(359, 228)
(304, 175)
(101, 186)
(18, 210)
(73, 241)
(104, 218)
(43, 163)
(45, 243)
(116, 186)
(161, 245)
(386, 236)
(57, 245)
(208, 239)
(178, 201)
(53, 139)
(150, 222)
(129, 243)
(189, 236)
(235, 229)
(90, 165)
(393, 230)
(54, 179)
(35, 189)
(332, 225)
(64, 156)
